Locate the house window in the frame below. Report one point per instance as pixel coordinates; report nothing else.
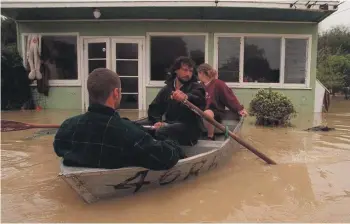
(59, 57)
(165, 49)
(295, 61)
(273, 60)
(262, 59)
(228, 58)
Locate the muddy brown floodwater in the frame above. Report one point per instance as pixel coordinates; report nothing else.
(311, 183)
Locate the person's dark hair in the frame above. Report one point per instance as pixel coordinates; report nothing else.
(101, 82)
(182, 60)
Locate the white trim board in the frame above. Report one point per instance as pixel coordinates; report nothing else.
(322, 85)
(164, 3)
(281, 84)
(170, 34)
(164, 20)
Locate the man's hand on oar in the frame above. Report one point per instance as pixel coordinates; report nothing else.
(179, 96)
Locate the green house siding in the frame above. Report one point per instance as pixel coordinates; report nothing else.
(60, 98)
(302, 98)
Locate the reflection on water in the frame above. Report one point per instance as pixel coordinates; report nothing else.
(310, 184)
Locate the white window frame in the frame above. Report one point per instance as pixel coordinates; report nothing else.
(57, 82)
(279, 85)
(149, 35)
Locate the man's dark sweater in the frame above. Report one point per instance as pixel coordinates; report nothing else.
(188, 124)
(101, 139)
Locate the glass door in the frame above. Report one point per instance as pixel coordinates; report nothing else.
(122, 55)
(126, 61)
(96, 55)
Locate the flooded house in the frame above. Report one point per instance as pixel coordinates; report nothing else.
(253, 44)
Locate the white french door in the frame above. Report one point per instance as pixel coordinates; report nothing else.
(122, 55)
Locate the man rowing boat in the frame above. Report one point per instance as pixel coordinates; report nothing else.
(180, 124)
(100, 138)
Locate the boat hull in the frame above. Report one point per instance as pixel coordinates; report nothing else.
(94, 184)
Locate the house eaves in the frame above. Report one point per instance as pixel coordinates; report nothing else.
(203, 10)
(272, 4)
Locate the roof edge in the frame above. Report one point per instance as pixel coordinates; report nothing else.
(286, 4)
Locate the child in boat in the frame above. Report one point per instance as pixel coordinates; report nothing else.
(100, 138)
(218, 95)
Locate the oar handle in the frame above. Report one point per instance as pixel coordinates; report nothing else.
(148, 126)
(44, 125)
(9, 126)
(234, 136)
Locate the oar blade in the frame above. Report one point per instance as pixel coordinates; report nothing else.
(8, 125)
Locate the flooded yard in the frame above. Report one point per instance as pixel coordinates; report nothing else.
(310, 183)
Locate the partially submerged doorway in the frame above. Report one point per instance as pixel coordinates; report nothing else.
(122, 55)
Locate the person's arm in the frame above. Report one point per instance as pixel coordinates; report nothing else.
(158, 107)
(62, 140)
(197, 96)
(227, 96)
(153, 154)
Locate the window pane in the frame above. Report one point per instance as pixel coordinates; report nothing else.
(164, 50)
(295, 62)
(228, 58)
(96, 50)
(262, 57)
(129, 85)
(129, 101)
(126, 51)
(93, 64)
(59, 56)
(127, 68)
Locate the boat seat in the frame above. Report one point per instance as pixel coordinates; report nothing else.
(229, 119)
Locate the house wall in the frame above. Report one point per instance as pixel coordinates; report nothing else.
(70, 97)
(60, 97)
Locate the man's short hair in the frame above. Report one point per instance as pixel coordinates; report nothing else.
(101, 82)
(182, 60)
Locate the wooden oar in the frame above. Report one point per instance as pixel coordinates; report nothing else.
(222, 128)
(8, 125)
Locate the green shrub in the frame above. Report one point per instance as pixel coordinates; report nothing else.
(271, 108)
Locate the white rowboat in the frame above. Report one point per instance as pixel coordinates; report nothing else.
(93, 184)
